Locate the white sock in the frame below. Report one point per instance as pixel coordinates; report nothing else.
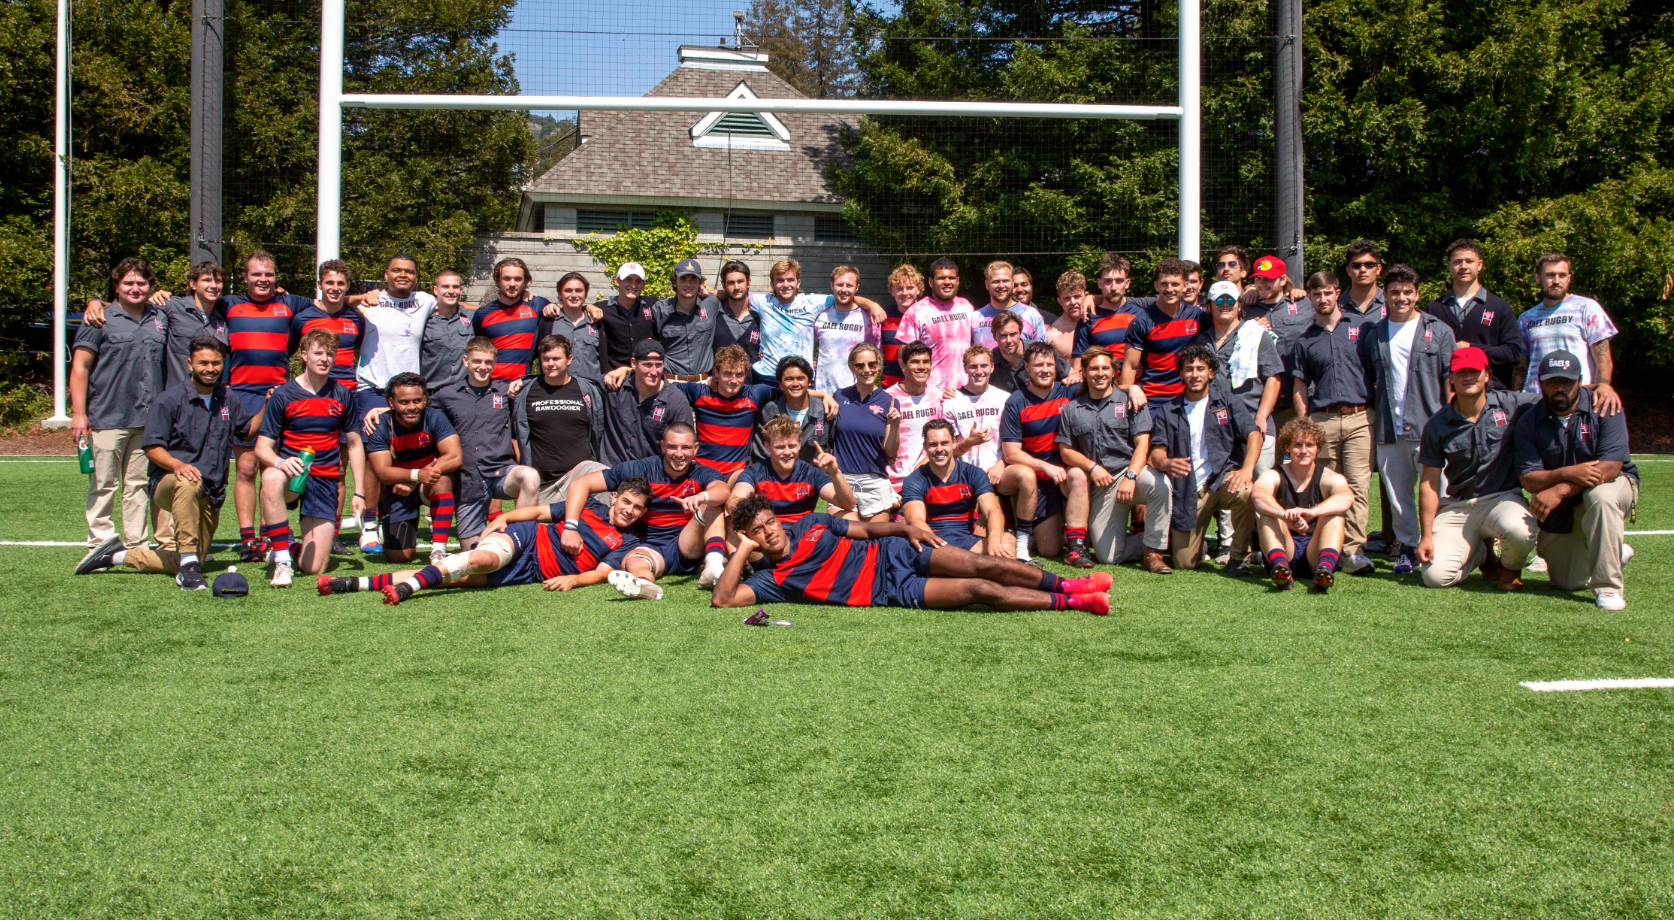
(120, 557)
(1023, 546)
(188, 558)
(714, 558)
(282, 557)
(414, 583)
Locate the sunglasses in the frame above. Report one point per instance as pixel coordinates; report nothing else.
(1363, 265)
(1225, 301)
(1229, 263)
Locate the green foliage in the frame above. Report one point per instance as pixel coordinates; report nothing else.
(672, 237)
(22, 405)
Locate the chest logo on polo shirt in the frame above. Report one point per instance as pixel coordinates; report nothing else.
(645, 312)
(612, 539)
(1121, 411)
(1581, 426)
(225, 415)
(1354, 333)
(499, 401)
(1293, 309)
(819, 429)
(588, 399)
(1499, 418)
(703, 312)
(346, 328)
(524, 312)
(657, 414)
(158, 322)
(755, 337)
(1220, 416)
(1487, 317)
(1429, 334)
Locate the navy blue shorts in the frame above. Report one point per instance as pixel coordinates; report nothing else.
(673, 562)
(963, 539)
(1299, 543)
(1049, 501)
(902, 574)
(525, 567)
(253, 399)
(318, 498)
(395, 509)
(365, 399)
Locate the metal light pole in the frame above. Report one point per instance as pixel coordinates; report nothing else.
(208, 39)
(60, 222)
(1287, 126)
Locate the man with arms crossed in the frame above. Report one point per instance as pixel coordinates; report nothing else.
(480, 412)
(827, 560)
(1573, 458)
(188, 439)
(1299, 506)
(946, 495)
(523, 547)
(1101, 433)
(1470, 441)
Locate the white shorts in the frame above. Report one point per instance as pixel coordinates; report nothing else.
(872, 494)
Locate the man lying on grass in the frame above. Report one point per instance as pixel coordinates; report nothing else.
(825, 560)
(525, 546)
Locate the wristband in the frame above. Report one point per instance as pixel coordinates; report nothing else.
(360, 496)
(413, 475)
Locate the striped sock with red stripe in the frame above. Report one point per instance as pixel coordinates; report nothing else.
(715, 545)
(1051, 582)
(1060, 602)
(373, 583)
(428, 577)
(1276, 558)
(1329, 557)
(1075, 536)
(278, 536)
(441, 518)
(246, 534)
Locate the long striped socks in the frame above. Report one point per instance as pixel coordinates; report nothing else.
(441, 520)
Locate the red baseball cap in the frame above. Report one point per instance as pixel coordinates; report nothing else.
(1269, 267)
(1469, 358)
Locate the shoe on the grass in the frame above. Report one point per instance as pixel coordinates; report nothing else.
(712, 569)
(631, 585)
(1510, 579)
(100, 557)
(339, 548)
(1360, 564)
(191, 578)
(252, 550)
(282, 576)
(328, 585)
(1154, 562)
(1224, 556)
(438, 555)
(371, 540)
(1607, 599)
(395, 594)
(1323, 578)
(1078, 559)
(1238, 568)
(1375, 545)
(1404, 563)
(1283, 579)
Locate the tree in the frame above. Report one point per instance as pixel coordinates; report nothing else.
(809, 44)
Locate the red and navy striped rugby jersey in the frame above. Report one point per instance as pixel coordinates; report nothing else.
(601, 542)
(350, 326)
(664, 517)
(259, 338)
(823, 565)
(411, 448)
(1109, 329)
(1160, 338)
(1032, 421)
(724, 424)
(950, 505)
(514, 329)
(297, 419)
(890, 345)
(794, 495)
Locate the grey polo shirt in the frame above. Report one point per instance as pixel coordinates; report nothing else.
(128, 372)
(1330, 361)
(1102, 430)
(587, 343)
(1288, 321)
(1476, 457)
(186, 322)
(198, 429)
(442, 353)
(482, 418)
(1268, 364)
(688, 338)
(633, 428)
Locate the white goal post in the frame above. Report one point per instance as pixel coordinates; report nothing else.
(333, 101)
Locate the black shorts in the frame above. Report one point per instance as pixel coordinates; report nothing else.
(400, 535)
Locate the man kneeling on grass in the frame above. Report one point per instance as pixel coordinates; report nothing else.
(825, 560)
(524, 546)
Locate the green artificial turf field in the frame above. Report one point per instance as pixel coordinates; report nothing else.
(1210, 750)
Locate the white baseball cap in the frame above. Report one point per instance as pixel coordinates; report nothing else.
(630, 270)
(1223, 289)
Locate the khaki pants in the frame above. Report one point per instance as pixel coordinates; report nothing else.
(191, 519)
(1461, 528)
(1348, 451)
(558, 489)
(118, 462)
(1591, 553)
(1107, 519)
(1188, 546)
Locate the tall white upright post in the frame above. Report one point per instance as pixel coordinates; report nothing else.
(61, 222)
(328, 235)
(1191, 132)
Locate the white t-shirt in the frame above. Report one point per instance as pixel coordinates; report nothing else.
(394, 335)
(916, 411)
(1400, 361)
(979, 412)
(836, 333)
(786, 328)
(1573, 324)
(1195, 412)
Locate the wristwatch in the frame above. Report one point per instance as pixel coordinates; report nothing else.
(1129, 474)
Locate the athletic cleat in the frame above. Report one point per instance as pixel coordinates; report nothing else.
(1282, 577)
(711, 573)
(282, 576)
(371, 540)
(1324, 578)
(631, 585)
(395, 594)
(1096, 604)
(339, 548)
(1091, 583)
(252, 551)
(100, 557)
(1078, 559)
(1237, 568)
(327, 585)
(191, 578)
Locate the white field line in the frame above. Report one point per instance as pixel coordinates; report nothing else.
(1613, 683)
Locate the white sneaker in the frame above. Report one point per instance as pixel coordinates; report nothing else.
(1627, 553)
(437, 555)
(631, 585)
(1610, 600)
(1360, 563)
(281, 576)
(1537, 564)
(711, 573)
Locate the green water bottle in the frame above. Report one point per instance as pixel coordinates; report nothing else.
(300, 480)
(84, 454)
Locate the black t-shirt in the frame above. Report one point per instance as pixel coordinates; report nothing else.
(559, 425)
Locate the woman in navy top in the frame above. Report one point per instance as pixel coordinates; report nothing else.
(868, 432)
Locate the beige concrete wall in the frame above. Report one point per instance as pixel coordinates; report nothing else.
(551, 256)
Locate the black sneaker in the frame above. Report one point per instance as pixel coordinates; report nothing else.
(339, 548)
(100, 557)
(252, 551)
(1078, 558)
(328, 585)
(191, 578)
(1238, 568)
(395, 594)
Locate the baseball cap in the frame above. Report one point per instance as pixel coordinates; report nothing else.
(630, 270)
(1223, 289)
(230, 584)
(1469, 358)
(647, 348)
(688, 267)
(1269, 267)
(1560, 364)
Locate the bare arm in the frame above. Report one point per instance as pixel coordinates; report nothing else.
(728, 591)
(1130, 366)
(1338, 502)
(1269, 401)
(914, 513)
(80, 366)
(1261, 494)
(1605, 399)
